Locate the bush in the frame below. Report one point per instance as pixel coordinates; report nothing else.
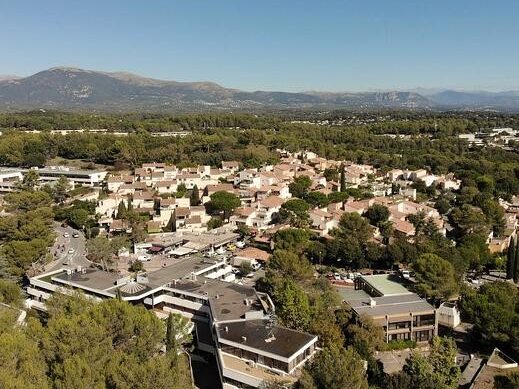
(399, 345)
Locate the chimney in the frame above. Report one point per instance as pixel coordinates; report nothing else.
(226, 329)
(243, 339)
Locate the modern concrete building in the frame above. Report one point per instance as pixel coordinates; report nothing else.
(233, 322)
(402, 314)
(92, 178)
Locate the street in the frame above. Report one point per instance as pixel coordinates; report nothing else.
(61, 248)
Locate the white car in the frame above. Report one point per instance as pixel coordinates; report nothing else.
(71, 250)
(144, 258)
(66, 235)
(240, 244)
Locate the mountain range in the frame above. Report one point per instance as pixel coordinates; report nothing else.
(78, 89)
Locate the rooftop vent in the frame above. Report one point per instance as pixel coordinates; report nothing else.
(243, 339)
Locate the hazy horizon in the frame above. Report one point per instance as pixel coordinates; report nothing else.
(285, 46)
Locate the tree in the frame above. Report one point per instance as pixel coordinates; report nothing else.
(354, 225)
(469, 219)
(245, 268)
(121, 210)
(435, 276)
(438, 370)
(61, 189)
(494, 311)
(365, 336)
(377, 214)
(181, 190)
(343, 179)
(293, 239)
(335, 367)
(78, 218)
(224, 202)
(292, 305)
(30, 179)
(442, 205)
(10, 293)
(194, 199)
(21, 362)
(317, 199)
(290, 264)
(338, 197)
(510, 381)
(172, 223)
(331, 174)
(101, 251)
(300, 186)
(214, 222)
(386, 230)
(27, 200)
(136, 266)
(510, 258)
(296, 212)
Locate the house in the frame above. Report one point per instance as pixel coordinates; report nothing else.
(251, 255)
(323, 221)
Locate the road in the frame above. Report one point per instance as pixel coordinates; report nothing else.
(61, 248)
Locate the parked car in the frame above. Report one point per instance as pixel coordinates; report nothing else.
(66, 235)
(71, 250)
(75, 235)
(144, 258)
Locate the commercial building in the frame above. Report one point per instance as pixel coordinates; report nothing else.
(402, 314)
(92, 178)
(233, 322)
(10, 178)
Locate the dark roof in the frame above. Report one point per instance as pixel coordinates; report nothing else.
(391, 305)
(285, 342)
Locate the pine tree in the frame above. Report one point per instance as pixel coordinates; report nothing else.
(172, 223)
(121, 210)
(171, 337)
(343, 179)
(195, 196)
(510, 259)
(515, 267)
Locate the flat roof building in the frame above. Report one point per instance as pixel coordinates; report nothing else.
(402, 314)
(232, 321)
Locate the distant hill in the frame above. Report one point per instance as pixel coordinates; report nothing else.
(477, 99)
(78, 89)
(72, 88)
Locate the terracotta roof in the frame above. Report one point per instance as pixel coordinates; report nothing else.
(244, 211)
(182, 211)
(253, 253)
(403, 226)
(272, 201)
(195, 219)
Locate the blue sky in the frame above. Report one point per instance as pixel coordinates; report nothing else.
(272, 45)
